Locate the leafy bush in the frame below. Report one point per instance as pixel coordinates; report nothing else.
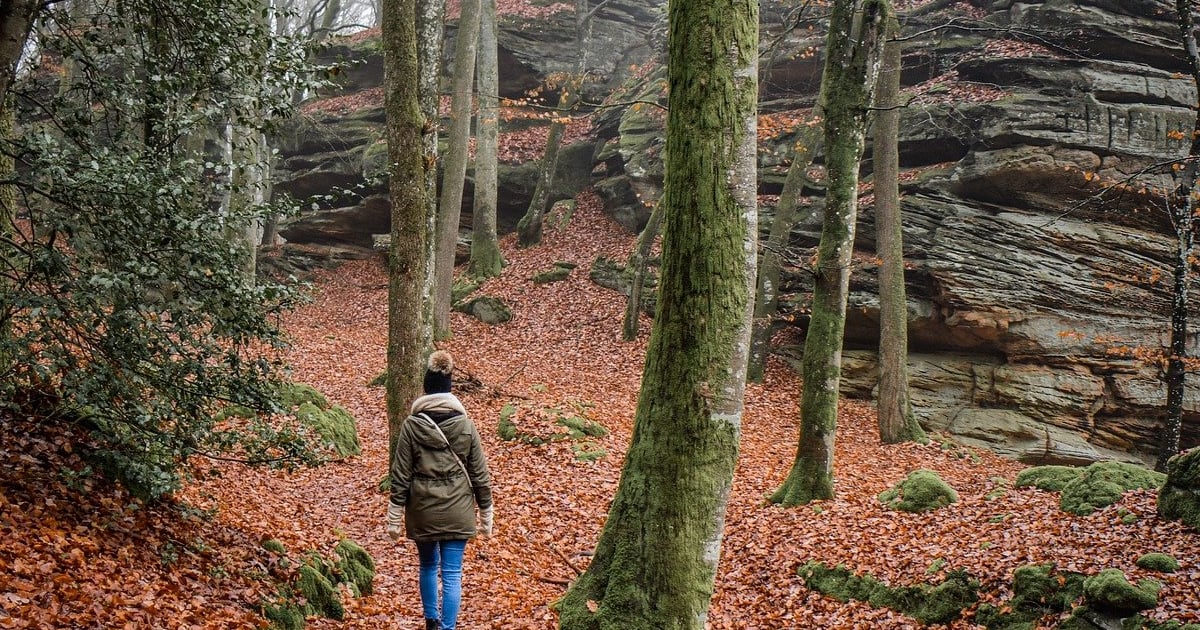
(126, 304)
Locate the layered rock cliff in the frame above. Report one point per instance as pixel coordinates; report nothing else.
(1027, 277)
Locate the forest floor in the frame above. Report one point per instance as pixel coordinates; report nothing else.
(76, 552)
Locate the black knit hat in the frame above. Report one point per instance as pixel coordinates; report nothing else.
(437, 375)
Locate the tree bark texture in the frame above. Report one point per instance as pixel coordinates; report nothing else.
(896, 420)
(454, 173)
(430, 33)
(637, 267)
(657, 556)
(407, 253)
(486, 259)
(16, 21)
(1183, 209)
(766, 297)
(851, 65)
(529, 228)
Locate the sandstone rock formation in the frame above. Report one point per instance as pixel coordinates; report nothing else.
(1027, 278)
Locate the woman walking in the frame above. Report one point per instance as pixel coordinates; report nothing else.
(439, 474)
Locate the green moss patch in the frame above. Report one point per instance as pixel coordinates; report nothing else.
(294, 395)
(1179, 499)
(356, 567)
(561, 271)
(1038, 590)
(1048, 478)
(334, 425)
(921, 491)
(531, 424)
(1160, 562)
(927, 603)
(1110, 590)
(320, 595)
(1085, 490)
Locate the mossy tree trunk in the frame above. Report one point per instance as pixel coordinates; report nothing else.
(657, 556)
(851, 65)
(1183, 217)
(529, 228)
(486, 259)
(637, 269)
(430, 33)
(766, 298)
(454, 171)
(896, 420)
(406, 255)
(16, 22)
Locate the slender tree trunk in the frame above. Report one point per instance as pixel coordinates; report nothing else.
(896, 420)
(486, 260)
(529, 228)
(16, 21)
(657, 556)
(430, 33)
(637, 266)
(1183, 210)
(406, 255)
(851, 66)
(766, 299)
(455, 171)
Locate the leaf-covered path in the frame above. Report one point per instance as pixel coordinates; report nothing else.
(100, 562)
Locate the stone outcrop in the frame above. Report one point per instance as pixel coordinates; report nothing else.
(1028, 280)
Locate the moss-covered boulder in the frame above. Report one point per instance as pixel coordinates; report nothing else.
(1038, 590)
(1110, 590)
(487, 309)
(293, 395)
(560, 271)
(1085, 490)
(921, 491)
(1048, 478)
(334, 425)
(1179, 499)
(1103, 483)
(356, 567)
(926, 603)
(320, 595)
(1160, 562)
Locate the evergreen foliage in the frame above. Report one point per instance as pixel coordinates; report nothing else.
(125, 307)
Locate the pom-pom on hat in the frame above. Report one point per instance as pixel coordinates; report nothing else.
(437, 374)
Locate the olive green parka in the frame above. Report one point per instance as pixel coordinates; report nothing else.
(439, 493)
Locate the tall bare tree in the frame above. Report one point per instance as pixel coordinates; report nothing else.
(896, 420)
(851, 66)
(657, 556)
(407, 252)
(430, 33)
(1183, 216)
(454, 170)
(486, 259)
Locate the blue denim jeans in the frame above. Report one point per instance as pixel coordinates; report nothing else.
(446, 555)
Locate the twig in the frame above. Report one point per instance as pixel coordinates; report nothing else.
(565, 559)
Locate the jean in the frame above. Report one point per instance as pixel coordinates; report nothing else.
(446, 555)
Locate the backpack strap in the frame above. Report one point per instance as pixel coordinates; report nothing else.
(448, 447)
